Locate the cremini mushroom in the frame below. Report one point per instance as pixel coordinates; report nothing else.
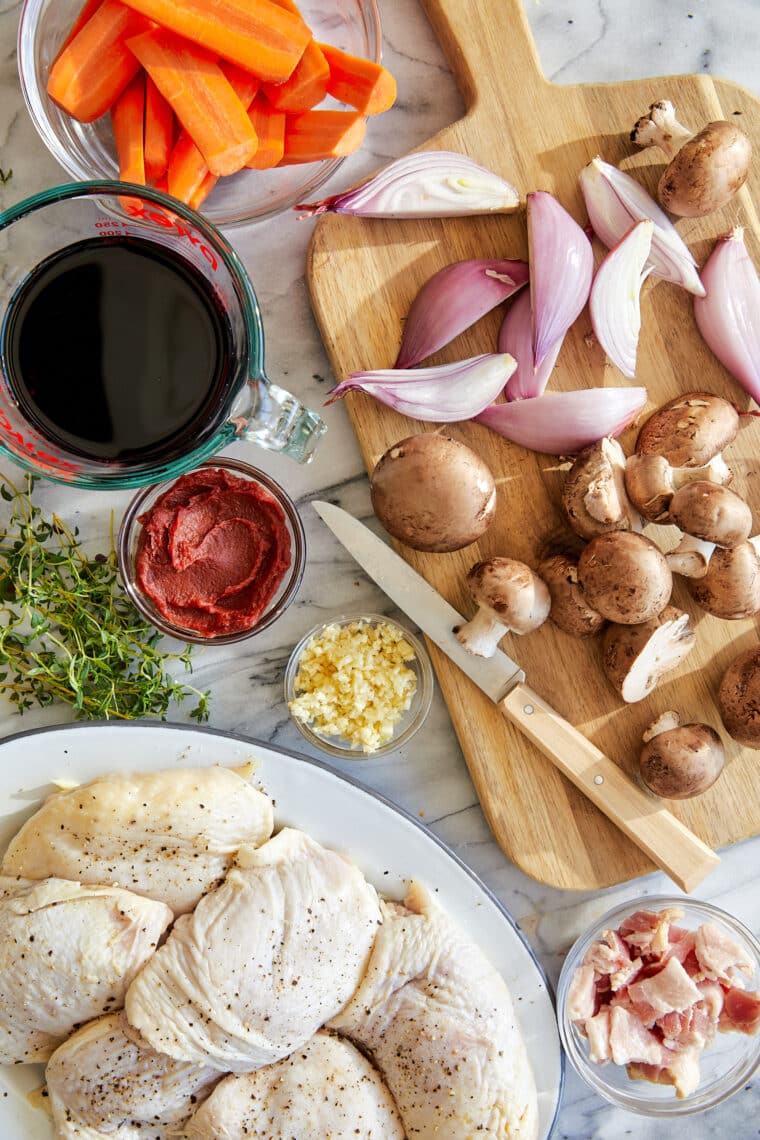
(739, 698)
(594, 494)
(625, 577)
(510, 598)
(433, 493)
(730, 587)
(712, 513)
(704, 170)
(569, 609)
(635, 657)
(680, 760)
(690, 430)
(651, 482)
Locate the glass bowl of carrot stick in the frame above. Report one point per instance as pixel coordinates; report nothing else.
(241, 109)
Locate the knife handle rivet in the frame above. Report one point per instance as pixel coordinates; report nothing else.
(598, 779)
(528, 710)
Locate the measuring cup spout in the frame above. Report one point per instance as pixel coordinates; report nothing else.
(280, 422)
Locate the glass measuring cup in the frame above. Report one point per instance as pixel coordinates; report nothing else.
(244, 404)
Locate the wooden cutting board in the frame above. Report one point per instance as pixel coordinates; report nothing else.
(364, 274)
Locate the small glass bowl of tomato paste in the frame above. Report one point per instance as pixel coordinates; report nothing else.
(214, 556)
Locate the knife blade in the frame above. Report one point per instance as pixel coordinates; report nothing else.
(664, 838)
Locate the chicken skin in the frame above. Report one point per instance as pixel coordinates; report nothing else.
(325, 1089)
(106, 1081)
(438, 1021)
(68, 952)
(264, 960)
(168, 835)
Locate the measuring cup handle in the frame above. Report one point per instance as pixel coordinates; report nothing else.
(279, 422)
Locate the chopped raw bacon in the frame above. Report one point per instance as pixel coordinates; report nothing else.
(598, 1033)
(681, 944)
(712, 998)
(719, 956)
(669, 990)
(647, 930)
(581, 995)
(681, 1071)
(610, 958)
(630, 1041)
(740, 1013)
(694, 1026)
(640, 1009)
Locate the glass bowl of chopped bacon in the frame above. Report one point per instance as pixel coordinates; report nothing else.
(659, 1008)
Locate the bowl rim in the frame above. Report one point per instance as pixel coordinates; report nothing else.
(28, 24)
(425, 687)
(128, 527)
(591, 1073)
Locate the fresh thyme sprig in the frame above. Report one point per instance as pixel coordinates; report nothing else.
(68, 632)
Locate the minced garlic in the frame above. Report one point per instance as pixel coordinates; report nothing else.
(353, 682)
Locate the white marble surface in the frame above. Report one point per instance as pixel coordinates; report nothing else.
(578, 40)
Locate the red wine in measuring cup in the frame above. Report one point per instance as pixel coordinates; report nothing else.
(118, 350)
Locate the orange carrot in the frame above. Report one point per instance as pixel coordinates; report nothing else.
(96, 66)
(307, 85)
(159, 132)
(127, 118)
(88, 9)
(201, 96)
(245, 85)
(259, 35)
(188, 175)
(359, 82)
(316, 135)
(270, 128)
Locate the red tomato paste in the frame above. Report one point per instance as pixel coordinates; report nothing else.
(213, 550)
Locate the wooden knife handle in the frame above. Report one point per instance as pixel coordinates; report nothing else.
(675, 849)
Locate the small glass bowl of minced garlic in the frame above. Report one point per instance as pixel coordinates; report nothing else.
(359, 686)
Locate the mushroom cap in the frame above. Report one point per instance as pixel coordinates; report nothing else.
(650, 485)
(711, 512)
(739, 698)
(512, 592)
(731, 587)
(433, 493)
(625, 577)
(569, 609)
(707, 171)
(689, 430)
(593, 493)
(683, 761)
(635, 657)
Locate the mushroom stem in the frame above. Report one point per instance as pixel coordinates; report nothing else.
(664, 723)
(661, 128)
(691, 558)
(482, 633)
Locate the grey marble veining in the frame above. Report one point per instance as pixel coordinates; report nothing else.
(578, 40)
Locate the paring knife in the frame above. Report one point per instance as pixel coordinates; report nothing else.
(667, 841)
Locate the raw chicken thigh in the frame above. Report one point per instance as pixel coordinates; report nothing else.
(327, 1088)
(68, 952)
(438, 1021)
(167, 835)
(264, 960)
(106, 1081)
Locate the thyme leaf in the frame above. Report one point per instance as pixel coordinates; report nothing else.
(5, 175)
(68, 631)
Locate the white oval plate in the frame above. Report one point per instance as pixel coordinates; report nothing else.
(390, 847)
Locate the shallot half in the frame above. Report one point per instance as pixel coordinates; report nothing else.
(563, 423)
(729, 316)
(614, 302)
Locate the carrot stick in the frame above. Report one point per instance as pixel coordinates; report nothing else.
(259, 35)
(188, 175)
(96, 66)
(270, 128)
(127, 118)
(201, 96)
(88, 9)
(159, 132)
(307, 85)
(316, 135)
(359, 82)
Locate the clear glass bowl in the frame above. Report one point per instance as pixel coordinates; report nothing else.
(726, 1065)
(86, 150)
(129, 537)
(411, 720)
